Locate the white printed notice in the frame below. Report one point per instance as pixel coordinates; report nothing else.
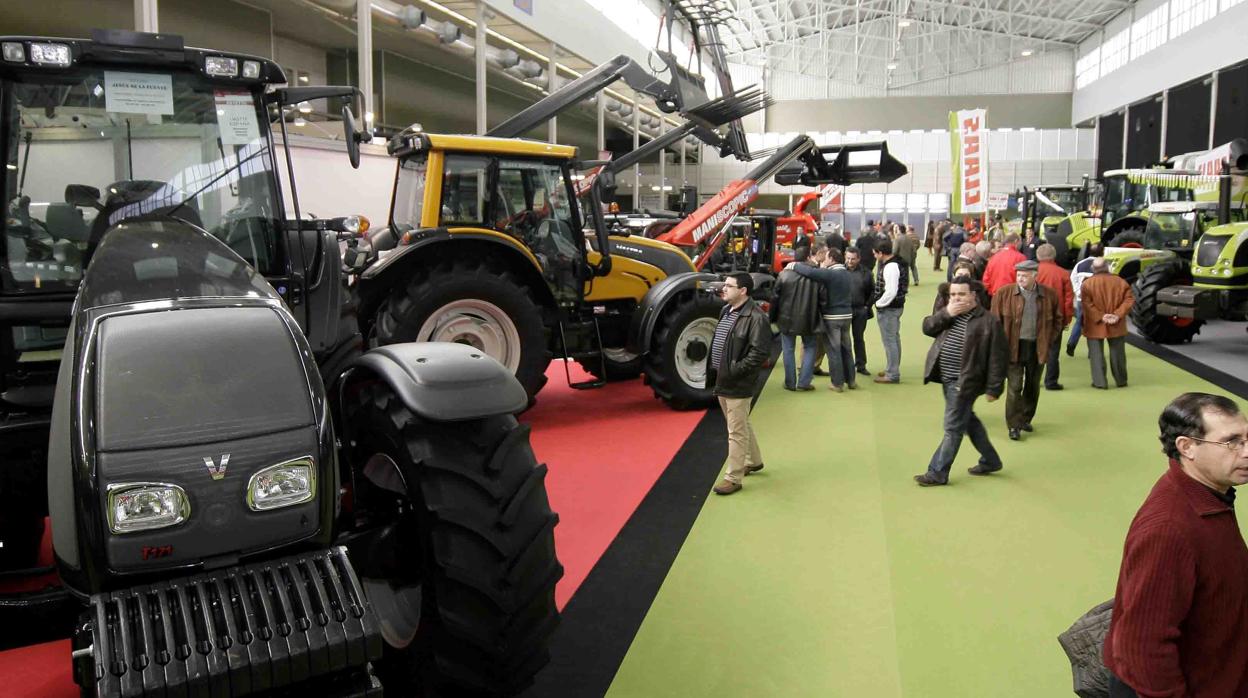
(138, 93)
(236, 116)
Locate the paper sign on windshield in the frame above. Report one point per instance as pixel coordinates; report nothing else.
(138, 93)
(236, 117)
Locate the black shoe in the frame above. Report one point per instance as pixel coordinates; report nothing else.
(1015, 435)
(820, 372)
(982, 470)
(1100, 387)
(1027, 427)
(1055, 386)
(751, 469)
(1122, 385)
(790, 388)
(926, 480)
(863, 372)
(1070, 350)
(805, 388)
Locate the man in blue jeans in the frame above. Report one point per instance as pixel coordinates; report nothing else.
(795, 309)
(892, 280)
(1082, 271)
(969, 358)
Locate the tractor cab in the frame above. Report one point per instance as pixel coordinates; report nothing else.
(1131, 191)
(1176, 225)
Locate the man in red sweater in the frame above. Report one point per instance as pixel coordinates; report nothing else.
(1000, 270)
(1180, 619)
(1057, 279)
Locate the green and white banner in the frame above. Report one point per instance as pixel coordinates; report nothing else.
(969, 157)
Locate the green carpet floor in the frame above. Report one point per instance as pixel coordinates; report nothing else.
(833, 574)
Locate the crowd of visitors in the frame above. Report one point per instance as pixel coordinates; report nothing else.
(1179, 624)
(997, 326)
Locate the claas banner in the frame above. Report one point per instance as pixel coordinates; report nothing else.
(969, 139)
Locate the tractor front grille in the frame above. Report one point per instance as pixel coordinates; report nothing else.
(1210, 248)
(238, 631)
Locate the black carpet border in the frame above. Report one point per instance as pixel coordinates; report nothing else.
(603, 616)
(1219, 378)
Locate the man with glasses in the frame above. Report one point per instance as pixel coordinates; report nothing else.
(1180, 620)
(741, 345)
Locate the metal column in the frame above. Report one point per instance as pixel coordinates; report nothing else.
(482, 126)
(146, 16)
(552, 84)
(1213, 106)
(1126, 128)
(364, 47)
(601, 103)
(662, 168)
(683, 148)
(1165, 121)
(636, 145)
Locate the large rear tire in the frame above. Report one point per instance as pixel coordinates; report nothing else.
(1128, 237)
(675, 366)
(468, 602)
(466, 301)
(1159, 328)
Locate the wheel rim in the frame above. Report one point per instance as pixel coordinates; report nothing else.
(1181, 321)
(692, 347)
(478, 324)
(397, 609)
(1132, 246)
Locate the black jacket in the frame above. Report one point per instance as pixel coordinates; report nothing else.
(985, 354)
(942, 295)
(796, 303)
(861, 288)
(745, 351)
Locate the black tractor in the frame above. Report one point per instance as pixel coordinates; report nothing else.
(208, 484)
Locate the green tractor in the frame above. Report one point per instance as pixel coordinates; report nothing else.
(1059, 213)
(1201, 271)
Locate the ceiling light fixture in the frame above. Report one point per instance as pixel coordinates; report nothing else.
(1027, 52)
(904, 23)
(891, 66)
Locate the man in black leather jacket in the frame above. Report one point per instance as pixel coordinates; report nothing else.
(795, 307)
(740, 347)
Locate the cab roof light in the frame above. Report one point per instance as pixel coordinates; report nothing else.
(14, 52)
(50, 54)
(251, 69)
(222, 66)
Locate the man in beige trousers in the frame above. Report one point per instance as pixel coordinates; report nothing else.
(740, 347)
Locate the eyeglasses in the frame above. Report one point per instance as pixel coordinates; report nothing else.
(1235, 444)
(726, 287)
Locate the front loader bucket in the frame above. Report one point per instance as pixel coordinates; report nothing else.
(856, 163)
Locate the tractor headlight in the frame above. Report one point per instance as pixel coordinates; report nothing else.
(282, 485)
(14, 52)
(141, 506)
(221, 65)
(50, 54)
(251, 69)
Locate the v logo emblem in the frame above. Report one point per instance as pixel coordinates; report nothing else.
(217, 471)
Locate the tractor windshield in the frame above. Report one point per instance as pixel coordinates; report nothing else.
(1168, 230)
(1123, 197)
(1058, 202)
(90, 148)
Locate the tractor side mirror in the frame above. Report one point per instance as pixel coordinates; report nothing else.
(82, 196)
(352, 137)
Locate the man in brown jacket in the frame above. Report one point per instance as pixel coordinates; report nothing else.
(1032, 318)
(1106, 301)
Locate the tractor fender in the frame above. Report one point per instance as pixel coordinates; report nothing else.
(656, 301)
(375, 283)
(441, 381)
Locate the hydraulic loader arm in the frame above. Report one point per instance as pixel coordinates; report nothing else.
(685, 91)
(870, 163)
